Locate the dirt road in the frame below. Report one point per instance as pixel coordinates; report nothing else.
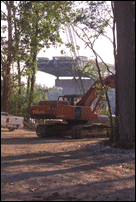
(64, 169)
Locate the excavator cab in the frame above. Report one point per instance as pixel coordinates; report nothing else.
(72, 99)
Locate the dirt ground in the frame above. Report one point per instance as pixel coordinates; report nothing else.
(64, 169)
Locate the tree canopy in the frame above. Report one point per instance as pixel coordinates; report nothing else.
(31, 25)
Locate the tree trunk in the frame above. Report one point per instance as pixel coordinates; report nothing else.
(125, 72)
(19, 84)
(6, 79)
(32, 80)
(34, 56)
(116, 123)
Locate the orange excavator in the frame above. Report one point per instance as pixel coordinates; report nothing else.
(72, 114)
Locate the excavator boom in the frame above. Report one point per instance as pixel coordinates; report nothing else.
(91, 94)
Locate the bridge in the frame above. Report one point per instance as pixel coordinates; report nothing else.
(63, 66)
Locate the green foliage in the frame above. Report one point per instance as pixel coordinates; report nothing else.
(18, 103)
(92, 69)
(101, 89)
(43, 18)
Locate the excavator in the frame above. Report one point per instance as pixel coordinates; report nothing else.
(71, 114)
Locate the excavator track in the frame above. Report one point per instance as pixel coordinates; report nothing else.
(48, 130)
(78, 131)
(41, 130)
(93, 130)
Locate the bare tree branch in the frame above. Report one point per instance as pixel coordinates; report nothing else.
(90, 45)
(4, 15)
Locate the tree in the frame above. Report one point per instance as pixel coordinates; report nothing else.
(6, 61)
(11, 49)
(36, 24)
(40, 23)
(124, 14)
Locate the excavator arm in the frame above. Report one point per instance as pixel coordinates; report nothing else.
(91, 94)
